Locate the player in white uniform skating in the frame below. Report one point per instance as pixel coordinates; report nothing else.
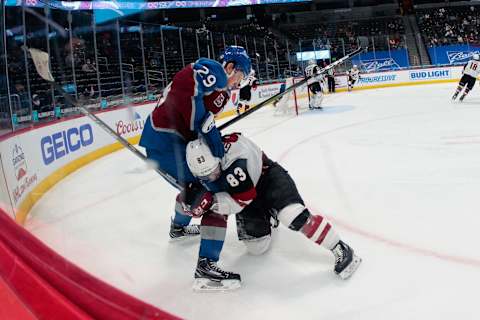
(245, 182)
(246, 87)
(353, 76)
(469, 77)
(315, 85)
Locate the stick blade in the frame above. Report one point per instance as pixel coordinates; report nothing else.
(40, 59)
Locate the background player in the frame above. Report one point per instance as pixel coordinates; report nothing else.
(246, 87)
(353, 76)
(185, 112)
(315, 85)
(247, 183)
(469, 77)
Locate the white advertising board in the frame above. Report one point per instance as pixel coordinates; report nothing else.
(402, 77)
(5, 202)
(32, 156)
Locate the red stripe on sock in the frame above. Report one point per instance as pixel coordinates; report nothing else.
(312, 225)
(214, 220)
(323, 234)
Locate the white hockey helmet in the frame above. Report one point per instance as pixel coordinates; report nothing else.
(355, 66)
(312, 62)
(476, 56)
(201, 161)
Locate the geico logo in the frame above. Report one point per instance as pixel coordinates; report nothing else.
(62, 143)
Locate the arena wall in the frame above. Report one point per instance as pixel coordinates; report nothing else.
(375, 80)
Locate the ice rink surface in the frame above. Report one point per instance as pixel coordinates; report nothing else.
(396, 170)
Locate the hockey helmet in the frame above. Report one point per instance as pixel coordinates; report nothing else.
(476, 56)
(312, 62)
(201, 161)
(355, 66)
(239, 57)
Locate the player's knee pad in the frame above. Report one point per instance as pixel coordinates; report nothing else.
(294, 216)
(258, 246)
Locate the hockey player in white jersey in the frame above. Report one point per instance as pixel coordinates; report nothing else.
(246, 183)
(315, 85)
(353, 76)
(246, 87)
(469, 77)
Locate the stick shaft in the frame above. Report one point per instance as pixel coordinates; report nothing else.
(113, 134)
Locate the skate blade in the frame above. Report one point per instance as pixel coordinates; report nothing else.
(351, 268)
(207, 285)
(184, 238)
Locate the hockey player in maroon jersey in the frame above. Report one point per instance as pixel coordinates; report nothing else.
(245, 182)
(186, 112)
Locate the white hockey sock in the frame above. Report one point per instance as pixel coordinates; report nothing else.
(320, 231)
(314, 227)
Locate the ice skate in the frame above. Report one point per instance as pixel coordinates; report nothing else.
(178, 232)
(209, 277)
(346, 262)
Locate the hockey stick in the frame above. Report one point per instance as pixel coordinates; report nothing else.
(288, 90)
(41, 61)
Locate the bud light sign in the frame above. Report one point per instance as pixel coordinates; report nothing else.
(430, 75)
(59, 144)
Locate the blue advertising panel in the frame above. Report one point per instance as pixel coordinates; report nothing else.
(382, 60)
(452, 54)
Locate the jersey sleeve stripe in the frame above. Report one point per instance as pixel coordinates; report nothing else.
(246, 195)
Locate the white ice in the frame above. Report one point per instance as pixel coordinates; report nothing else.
(396, 170)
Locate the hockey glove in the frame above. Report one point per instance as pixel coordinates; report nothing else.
(195, 200)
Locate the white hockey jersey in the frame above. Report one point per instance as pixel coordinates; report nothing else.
(249, 81)
(241, 170)
(354, 73)
(313, 70)
(472, 68)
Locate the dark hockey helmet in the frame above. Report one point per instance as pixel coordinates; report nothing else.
(239, 57)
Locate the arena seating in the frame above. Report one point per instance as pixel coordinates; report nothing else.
(450, 25)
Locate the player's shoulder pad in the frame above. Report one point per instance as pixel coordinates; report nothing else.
(210, 75)
(237, 177)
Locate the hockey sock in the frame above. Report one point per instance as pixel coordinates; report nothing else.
(314, 227)
(465, 93)
(320, 231)
(180, 218)
(212, 231)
